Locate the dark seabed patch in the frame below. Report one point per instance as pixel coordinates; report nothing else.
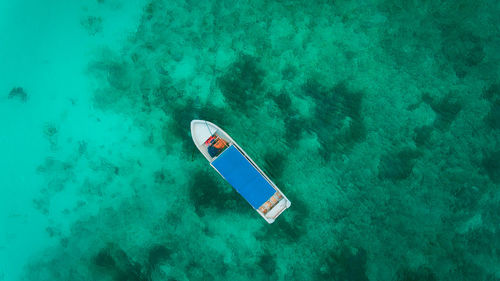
(338, 119)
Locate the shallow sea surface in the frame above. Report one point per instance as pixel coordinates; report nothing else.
(380, 121)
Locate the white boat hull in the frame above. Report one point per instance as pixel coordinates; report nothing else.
(202, 130)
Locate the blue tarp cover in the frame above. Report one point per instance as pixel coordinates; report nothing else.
(243, 176)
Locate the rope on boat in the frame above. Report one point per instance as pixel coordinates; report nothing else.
(208, 127)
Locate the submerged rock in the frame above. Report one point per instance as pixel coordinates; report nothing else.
(397, 165)
(18, 93)
(491, 165)
(92, 24)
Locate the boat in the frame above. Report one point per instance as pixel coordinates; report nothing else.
(237, 168)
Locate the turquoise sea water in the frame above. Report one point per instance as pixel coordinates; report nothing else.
(380, 120)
